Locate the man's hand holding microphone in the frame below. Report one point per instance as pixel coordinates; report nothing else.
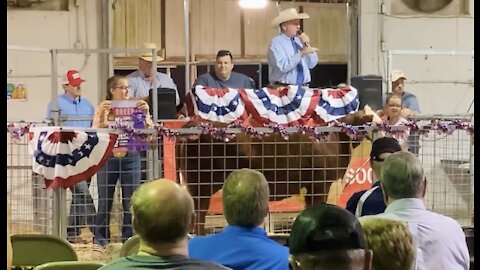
(305, 39)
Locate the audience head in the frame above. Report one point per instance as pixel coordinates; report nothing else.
(117, 88)
(398, 81)
(391, 243)
(381, 149)
(402, 177)
(162, 212)
(223, 65)
(326, 236)
(393, 105)
(71, 82)
(146, 58)
(245, 196)
(289, 21)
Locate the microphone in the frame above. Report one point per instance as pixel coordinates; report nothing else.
(300, 32)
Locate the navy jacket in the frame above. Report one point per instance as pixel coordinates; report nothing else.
(373, 205)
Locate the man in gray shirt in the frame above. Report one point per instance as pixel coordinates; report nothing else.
(141, 80)
(223, 76)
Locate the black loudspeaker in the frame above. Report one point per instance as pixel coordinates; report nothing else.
(166, 101)
(369, 90)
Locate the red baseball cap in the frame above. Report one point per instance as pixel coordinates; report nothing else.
(72, 77)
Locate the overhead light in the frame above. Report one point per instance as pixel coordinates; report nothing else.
(253, 3)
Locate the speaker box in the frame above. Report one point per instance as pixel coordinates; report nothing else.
(369, 90)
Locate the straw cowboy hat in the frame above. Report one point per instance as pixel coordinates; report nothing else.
(288, 15)
(147, 55)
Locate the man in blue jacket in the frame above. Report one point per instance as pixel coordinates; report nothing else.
(370, 202)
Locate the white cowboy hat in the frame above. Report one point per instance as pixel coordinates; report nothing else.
(288, 15)
(147, 56)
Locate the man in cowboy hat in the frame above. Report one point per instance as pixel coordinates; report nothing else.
(290, 56)
(141, 80)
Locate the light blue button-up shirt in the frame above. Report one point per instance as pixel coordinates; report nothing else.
(282, 61)
(141, 86)
(440, 241)
(69, 107)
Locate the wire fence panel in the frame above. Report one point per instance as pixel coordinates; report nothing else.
(448, 164)
(289, 166)
(299, 172)
(30, 202)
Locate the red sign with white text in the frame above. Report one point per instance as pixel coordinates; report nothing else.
(359, 176)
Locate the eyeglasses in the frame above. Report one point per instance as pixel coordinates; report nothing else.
(122, 87)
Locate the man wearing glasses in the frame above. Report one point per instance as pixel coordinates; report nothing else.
(370, 202)
(223, 76)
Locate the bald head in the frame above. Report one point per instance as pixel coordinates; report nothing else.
(245, 198)
(162, 211)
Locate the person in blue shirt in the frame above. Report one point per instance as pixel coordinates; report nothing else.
(223, 76)
(290, 56)
(72, 105)
(370, 201)
(409, 100)
(243, 244)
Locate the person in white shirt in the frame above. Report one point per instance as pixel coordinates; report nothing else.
(393, 117)
(439, 240)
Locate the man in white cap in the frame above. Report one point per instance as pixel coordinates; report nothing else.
(409, 105)
(409, 100)
(141, 80)
(290, 56)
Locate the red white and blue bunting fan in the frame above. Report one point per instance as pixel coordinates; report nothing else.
(289, 106)
(65, 156)
(336, 103)
(219, 105)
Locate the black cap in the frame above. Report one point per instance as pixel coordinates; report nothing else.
(325, 227)
(384, 145)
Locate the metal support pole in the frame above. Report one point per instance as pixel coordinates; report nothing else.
(472, 180)
(154, 86)
(156, 161)
(389, 71)
(260, 77)
(349, 45)
(187, 45)
(59, 211)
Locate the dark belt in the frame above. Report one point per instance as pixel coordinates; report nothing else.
(278, 84)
